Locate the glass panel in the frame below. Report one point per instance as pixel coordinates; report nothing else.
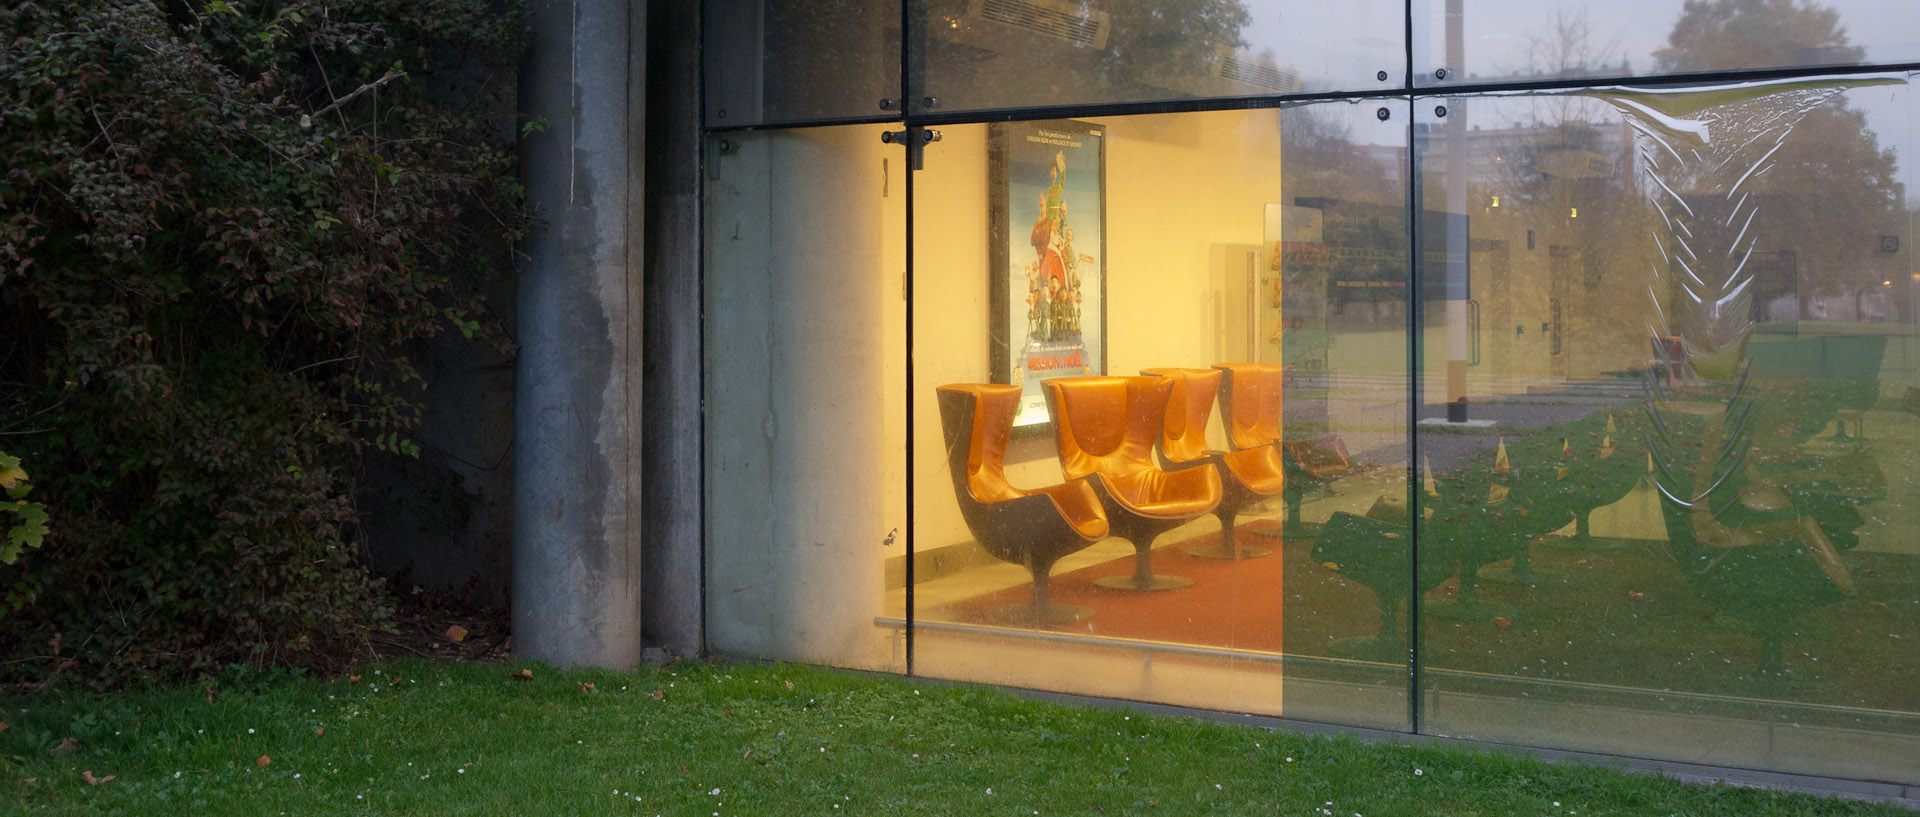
(804, 445)
(1531, 40)
(771, 62)
(977, 54)
(1068, 532)
(1679, 519)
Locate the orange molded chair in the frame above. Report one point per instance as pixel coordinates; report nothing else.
(1106, 427)
(1246, 476)
(1034, 528)
(1250, 402)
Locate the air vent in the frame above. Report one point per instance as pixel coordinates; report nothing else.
(1238, 68)
(1069, 22)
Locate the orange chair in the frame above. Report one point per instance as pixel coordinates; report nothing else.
(1247, 475)
(1251, 395)
(1033, 528)
(1106, 427)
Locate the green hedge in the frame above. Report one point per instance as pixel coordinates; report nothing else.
(219, 222)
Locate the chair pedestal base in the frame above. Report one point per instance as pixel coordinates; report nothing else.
(1146, 583)
(1229, 546)
(1226, 551)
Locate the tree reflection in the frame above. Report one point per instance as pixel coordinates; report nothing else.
(1716, 35)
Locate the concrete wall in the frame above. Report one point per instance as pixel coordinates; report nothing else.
(671, 453)
(794, 348)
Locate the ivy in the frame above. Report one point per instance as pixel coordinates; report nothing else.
(222, 224)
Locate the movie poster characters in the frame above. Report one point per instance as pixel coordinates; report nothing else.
(1049, 255)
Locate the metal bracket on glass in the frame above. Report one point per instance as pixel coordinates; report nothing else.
(915, 139)
(718, 146)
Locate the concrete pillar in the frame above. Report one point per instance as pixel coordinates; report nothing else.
(576, 469)
(795, 397)
(670, 532)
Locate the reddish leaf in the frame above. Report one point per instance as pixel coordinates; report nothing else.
(87, 775)
(263, 761)
(457, 633)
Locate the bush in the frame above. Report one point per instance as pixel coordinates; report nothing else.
(219, 221)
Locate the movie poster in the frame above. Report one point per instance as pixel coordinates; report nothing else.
(1049, 249)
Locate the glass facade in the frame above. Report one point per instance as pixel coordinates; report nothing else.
(1581, 417)
(970, 55)
(1519, 41)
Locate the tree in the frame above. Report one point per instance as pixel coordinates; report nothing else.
(1720, 35)
(1831, 189)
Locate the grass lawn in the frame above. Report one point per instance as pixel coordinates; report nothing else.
(746, 739)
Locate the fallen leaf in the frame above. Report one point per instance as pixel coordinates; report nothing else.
(457, 633)
(586, 687)
(65, 746)
(683, 770)
(658, 694)
(748, 753)
(263, 761)
(4, 727)
(54, 642)
(522, 675)
(353, 679)
(1635, 595)
(319, 730)
(87, 775)
(1502, 622)
(789, 684)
